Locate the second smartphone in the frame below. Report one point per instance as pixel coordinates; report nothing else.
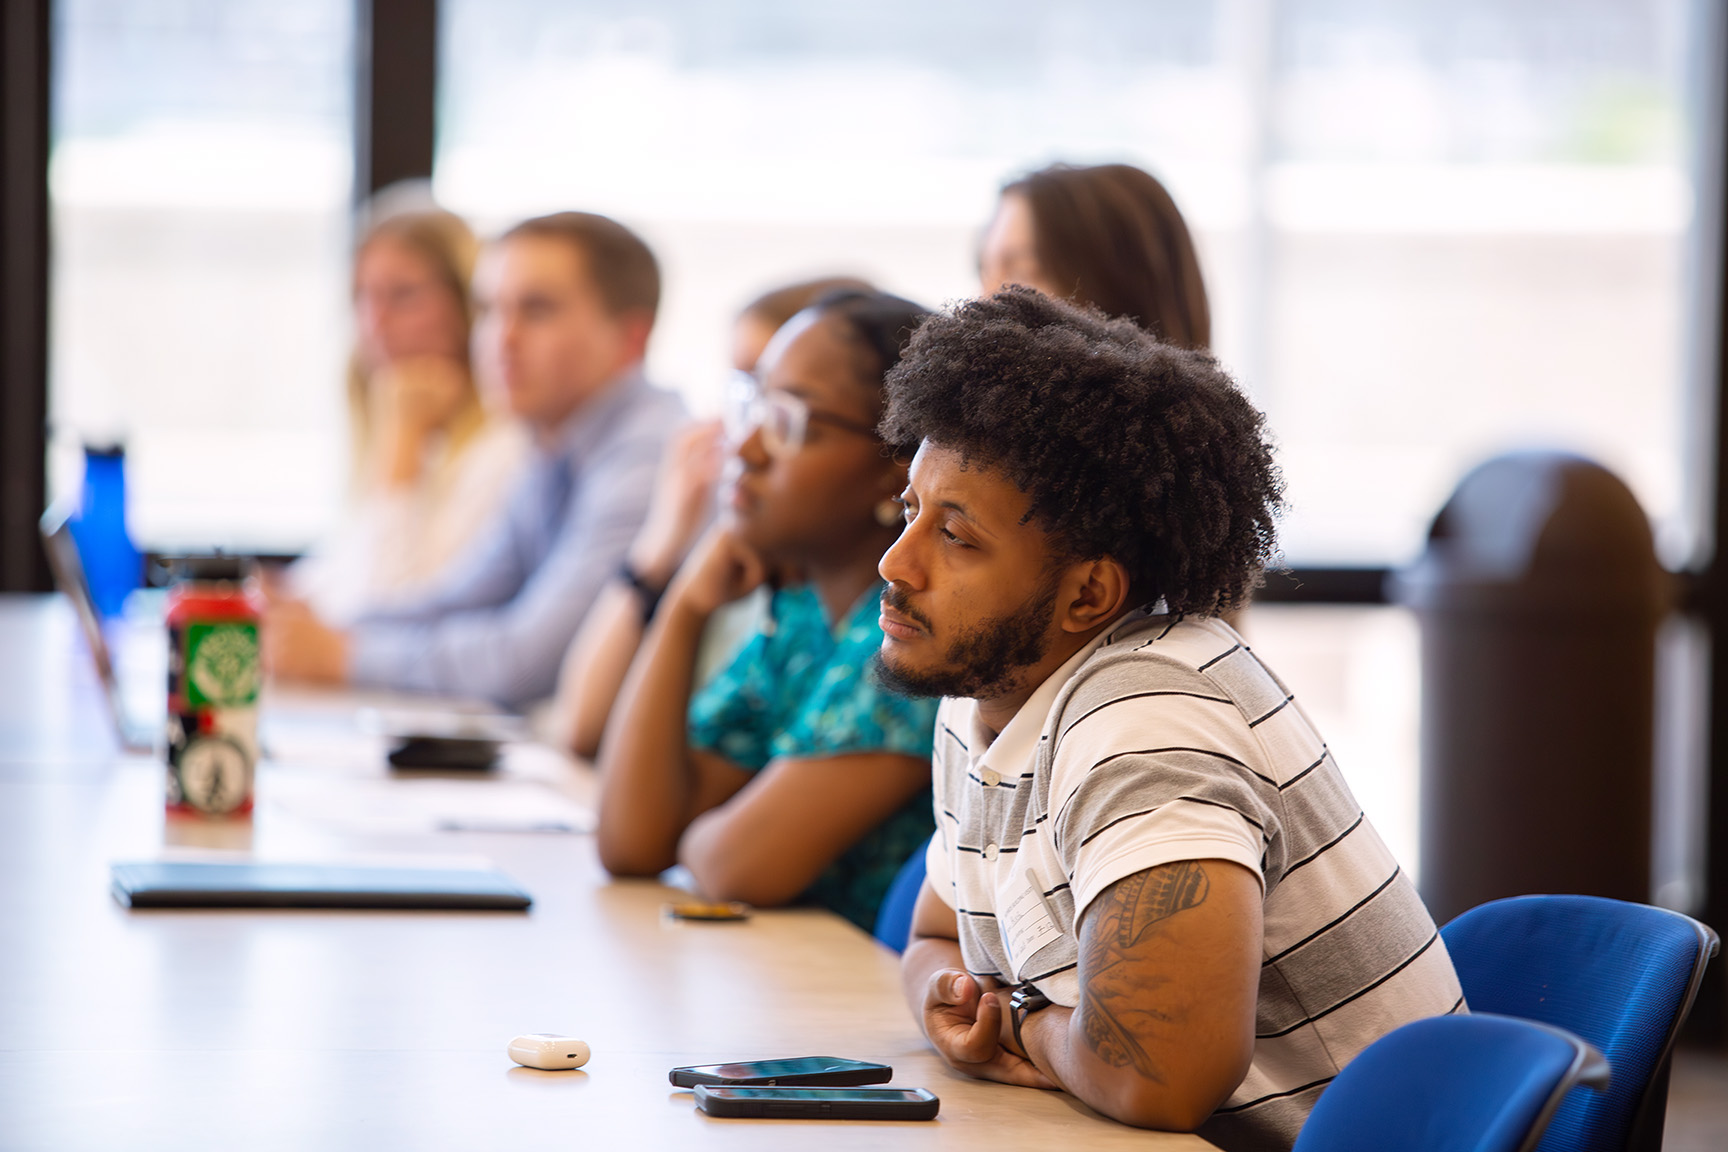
(818, 1103)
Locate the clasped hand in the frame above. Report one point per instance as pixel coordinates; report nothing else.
(419, 395)
(967, 1020)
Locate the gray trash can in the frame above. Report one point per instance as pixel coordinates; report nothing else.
(1538, 598)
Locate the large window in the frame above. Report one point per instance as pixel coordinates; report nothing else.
(1477, 216)
(201, 178)
(1433, 229)
(756, 142)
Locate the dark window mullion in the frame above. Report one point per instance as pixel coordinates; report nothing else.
(395, 92)
(24, 118)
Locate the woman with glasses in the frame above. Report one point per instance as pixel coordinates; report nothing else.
(792, 775)
(595, 667)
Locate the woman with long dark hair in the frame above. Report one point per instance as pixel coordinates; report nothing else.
(1107, 235)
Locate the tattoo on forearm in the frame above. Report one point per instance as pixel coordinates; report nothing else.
(1129, 913)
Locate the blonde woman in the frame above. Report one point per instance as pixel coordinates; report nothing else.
(431, 464)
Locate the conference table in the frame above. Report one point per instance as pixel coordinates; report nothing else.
(322, 1029)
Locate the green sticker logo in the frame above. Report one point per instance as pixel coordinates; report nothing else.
(221, 664)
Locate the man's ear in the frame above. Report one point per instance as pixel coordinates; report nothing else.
(1097, 591)
(636, 326)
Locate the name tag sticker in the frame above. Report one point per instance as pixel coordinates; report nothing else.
(1027, 925)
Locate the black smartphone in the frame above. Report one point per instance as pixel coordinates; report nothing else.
(818, 1103)
(448, 753)
(808, 1070)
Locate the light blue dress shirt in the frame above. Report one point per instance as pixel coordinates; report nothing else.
(498, 626)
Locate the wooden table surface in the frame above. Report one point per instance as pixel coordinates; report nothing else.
(335, 1030)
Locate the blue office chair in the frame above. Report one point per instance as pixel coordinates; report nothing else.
(1452, 1084)
(894, 918)
(1620, 975)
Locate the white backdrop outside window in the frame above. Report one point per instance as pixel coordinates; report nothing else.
(1432, 230)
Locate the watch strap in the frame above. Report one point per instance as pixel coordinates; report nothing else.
(1025, 1001)
(647, 595)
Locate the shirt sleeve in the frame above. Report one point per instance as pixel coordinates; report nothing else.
(509, 647)
(1216, 824)
(1190, 794)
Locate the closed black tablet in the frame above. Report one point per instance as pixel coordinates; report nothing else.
(201, 884)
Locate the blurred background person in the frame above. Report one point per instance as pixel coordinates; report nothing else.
(430, 462)
(564, 308)
(1107, 235)
(683, 506)
(792, 774)
(762, 317)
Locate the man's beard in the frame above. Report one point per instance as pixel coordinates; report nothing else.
(983, 662)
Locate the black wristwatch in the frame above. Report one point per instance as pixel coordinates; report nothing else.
(1025, 1001)
(646, 594)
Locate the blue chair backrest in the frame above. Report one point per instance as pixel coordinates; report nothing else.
(1453, 1083)
(1620, 975)
(894, 918)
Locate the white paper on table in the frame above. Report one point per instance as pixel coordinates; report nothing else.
(382, 806)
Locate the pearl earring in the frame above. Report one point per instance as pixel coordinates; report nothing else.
(888, 513)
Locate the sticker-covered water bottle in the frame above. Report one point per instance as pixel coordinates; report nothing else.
(213, 679)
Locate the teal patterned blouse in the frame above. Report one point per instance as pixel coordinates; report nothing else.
(801, 690)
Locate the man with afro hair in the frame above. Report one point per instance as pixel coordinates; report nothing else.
(1150, 885)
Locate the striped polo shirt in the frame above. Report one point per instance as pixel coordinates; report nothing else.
(1168, 740)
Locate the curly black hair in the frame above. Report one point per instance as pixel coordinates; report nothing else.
(1129, 448)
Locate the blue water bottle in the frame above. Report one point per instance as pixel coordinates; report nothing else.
(112, 565)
